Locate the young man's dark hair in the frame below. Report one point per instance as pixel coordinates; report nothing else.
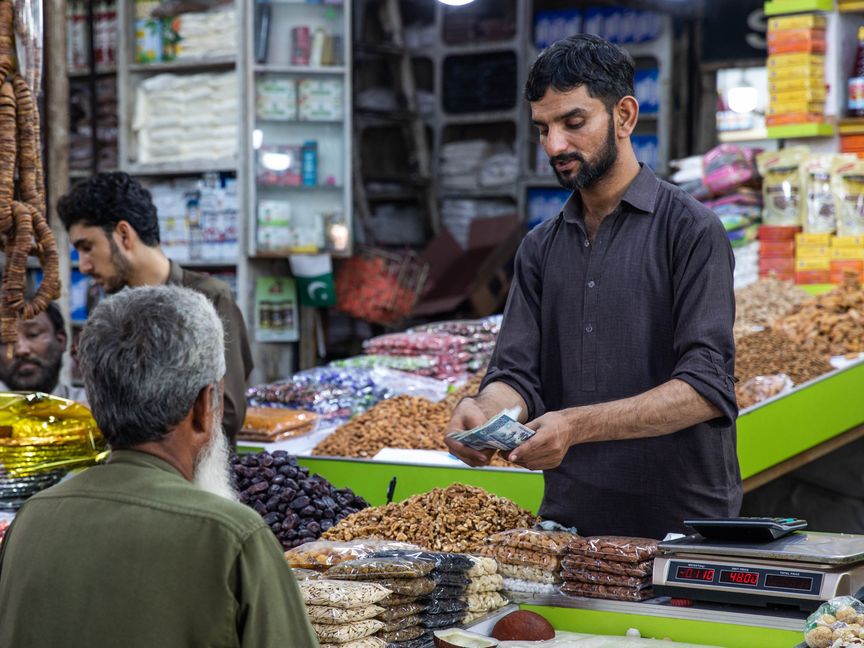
(107, 198)
(604, 69)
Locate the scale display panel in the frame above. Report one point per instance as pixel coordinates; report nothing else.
(751, 578)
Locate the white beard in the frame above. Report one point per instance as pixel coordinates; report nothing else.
(211, 468)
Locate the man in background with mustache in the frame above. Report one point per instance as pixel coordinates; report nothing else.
(151, 548)
(617, 340)
(37, 357)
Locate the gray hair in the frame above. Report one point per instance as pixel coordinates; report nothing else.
(145, 355)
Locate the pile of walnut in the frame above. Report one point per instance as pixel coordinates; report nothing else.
(457, 518)
(401, 422)
(24, 230)
(832, 324)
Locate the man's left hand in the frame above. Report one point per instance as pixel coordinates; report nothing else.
(547, 448)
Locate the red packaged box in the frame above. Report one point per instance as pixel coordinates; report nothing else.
(777, 265)
(776, 249)
(778, 232)
(813, 277)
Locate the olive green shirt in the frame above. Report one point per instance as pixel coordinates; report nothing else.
(238, 356)
(131, 554)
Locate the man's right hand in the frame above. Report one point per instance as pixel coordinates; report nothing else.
(467, 415)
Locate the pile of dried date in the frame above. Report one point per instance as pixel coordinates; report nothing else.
(297, 506)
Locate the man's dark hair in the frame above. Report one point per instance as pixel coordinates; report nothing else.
(56, 317)
(604, 69)
(105, 199)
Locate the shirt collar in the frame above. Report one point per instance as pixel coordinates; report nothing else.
(141, 459)
(175, 274)
(641, 194)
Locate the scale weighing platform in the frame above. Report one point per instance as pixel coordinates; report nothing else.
(801, 569)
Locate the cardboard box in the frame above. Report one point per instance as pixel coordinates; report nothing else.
(777, 265)
(822, 239)
(797, 21)
(812, 263)
(777, 249)
(778, 232)
(847, 253)
(808, 277)
(812, 252)
(847, 241)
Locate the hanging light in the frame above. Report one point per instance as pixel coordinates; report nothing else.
(743, 98)
(455, 3)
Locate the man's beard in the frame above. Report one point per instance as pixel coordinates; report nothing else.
(589, 172)
(122, 270)
(44, 380)
(211, 468)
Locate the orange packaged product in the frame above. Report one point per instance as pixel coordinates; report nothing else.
(777, 249)
(786, 265)
(805, 277)
(276, 423)
(778, 232)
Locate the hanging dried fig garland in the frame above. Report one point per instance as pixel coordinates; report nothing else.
(24, 230)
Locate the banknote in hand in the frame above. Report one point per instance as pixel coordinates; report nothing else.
(501, 432)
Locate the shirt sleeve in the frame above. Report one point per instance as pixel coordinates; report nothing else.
(238, 364)
(516, 359)
(704, 314)
(271, 612)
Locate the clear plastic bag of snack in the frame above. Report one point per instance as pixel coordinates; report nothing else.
(783, 195)
(590, 576)
(614, 548)
(487, 583)
(408, 586)
(820, 210)
(575, 563)
(535, 574)
(344, 594)
(304, 574)
(365, 642)
(446, 591)
(445, 605)
(276, 423)
(482, 566)
(839, 620)
(368, 568)
(552, 542)
(485, 602)
(445, 620)
(423, 641)
(405, 634)
(847, 184)
(401, 599)
(321, 554)
(533, 587)
(335, 616)
(394, 612)
(347, 631)
(515, 556)
(609, 592)
(450, 579)
(442, 560)
(401, 624)
(760, 388)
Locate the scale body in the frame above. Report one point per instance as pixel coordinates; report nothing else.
(801, 570)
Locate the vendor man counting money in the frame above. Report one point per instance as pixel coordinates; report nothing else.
(617, 340)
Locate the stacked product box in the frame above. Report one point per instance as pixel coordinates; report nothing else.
(812, 258)
(796, 69)
(777, 251)
(847, 255)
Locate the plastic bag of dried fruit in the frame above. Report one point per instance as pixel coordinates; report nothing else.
(322, 554)
(761, 388)
(838, 622)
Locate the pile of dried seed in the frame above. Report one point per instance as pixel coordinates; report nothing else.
(761, 303)
(772, 352)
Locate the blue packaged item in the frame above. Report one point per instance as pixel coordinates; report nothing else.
(552, 26)
(309, 158)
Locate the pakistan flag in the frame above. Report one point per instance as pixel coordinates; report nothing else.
(314, 276)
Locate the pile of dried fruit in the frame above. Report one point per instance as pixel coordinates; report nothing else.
(766, 353)
(457, 518)
(832, 324)
(761, 303)
(297, 506)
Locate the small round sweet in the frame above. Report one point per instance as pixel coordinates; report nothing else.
(827, 619)
(847, 613)
(819, 637)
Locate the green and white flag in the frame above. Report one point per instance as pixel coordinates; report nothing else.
(314, 275)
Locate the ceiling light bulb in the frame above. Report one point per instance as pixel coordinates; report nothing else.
(456, 3)
(743, 99)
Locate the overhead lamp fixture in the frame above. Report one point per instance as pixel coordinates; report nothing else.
(456, 3)
(743, 98)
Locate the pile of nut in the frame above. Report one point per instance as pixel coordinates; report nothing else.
(470, 388)
(830, 325)
(761, 303)
(769, 352)
(457, 518)
(401, 422)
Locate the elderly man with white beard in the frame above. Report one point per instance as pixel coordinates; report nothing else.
(152, 548)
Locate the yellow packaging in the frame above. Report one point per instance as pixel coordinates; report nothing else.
(796, 60)
(812, 252)
(849, 253)
(798, 96)
(799, 21)
(816, 263)
(847, 242)
(782, 194)
(847, 184)
(809, 73)
(796, 84)
(822, 239)
(796, 107)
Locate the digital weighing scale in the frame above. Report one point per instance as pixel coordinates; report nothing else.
(802, 569)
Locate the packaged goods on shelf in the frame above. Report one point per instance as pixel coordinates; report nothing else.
(458, 214)
(205, 34)
(761, 388)
(323, 554)
(276, 99)
(297, 506)
(275, 424)
(319, 99)
(186, 117)
(836, 624)
(80, 124)
(830, 324)
(820, 207)
(586, 567)
(527, 555)
(848, 187)
(467, 164)
(781, 185)
(456, 518)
